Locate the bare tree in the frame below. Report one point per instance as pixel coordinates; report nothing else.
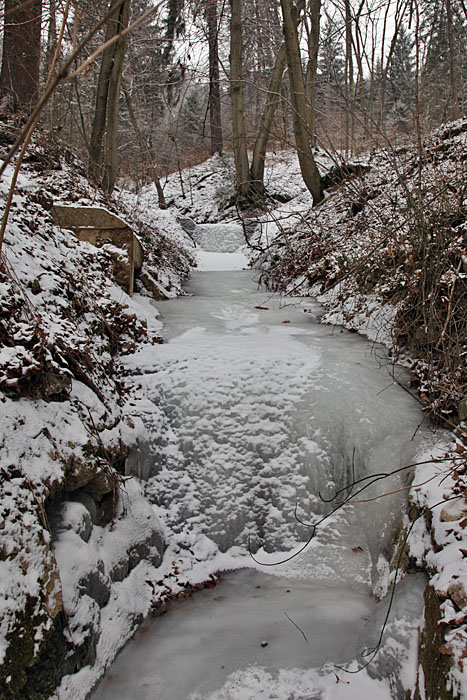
(399, 14)
(103, 152)
(236, 89)
(308, 166)
(19, 77)
(349, 79)
(312, 30)
(272, 101)
(456, 113)
(214, 84)
(144, 148)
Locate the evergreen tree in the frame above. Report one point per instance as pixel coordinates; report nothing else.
(331, 63)
(401, 82)
(436, 85)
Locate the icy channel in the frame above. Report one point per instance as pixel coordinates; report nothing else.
(256, 415)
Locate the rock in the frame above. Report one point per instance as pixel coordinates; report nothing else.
(433, 682)
(89, 503)
(458, 595)
(96, 585)
(454, 510)
(73, 516)
(141, 543)
(101, 484)
(120, 570)
(188, 225)
(149, 549)
(35, 286)
(155, 289)
(78, 473)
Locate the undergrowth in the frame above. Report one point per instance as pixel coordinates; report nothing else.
(395, 233)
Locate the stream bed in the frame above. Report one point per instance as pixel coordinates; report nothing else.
(257, 416)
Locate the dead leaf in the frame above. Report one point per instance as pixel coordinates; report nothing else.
(357, 549)
(285, 321)
(445, 650)
(262, 308)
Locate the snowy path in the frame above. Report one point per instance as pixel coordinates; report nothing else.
(254, 408)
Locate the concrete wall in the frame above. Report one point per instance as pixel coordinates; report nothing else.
(99, 226)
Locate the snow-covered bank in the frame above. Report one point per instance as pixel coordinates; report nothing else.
(78, 540)
(386, 254)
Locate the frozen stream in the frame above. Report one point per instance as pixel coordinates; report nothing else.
(255, 409)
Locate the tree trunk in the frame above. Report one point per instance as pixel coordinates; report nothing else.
(349, 86)
(51, 35)
(214, 85)
(308, 167)
(113, 104)
(261, 143)
(456, 113)
(145, 149)
(312, 66)
(19, 77)
(103, 162)
(236, 89)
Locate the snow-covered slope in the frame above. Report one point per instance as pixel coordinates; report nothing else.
(78, 540)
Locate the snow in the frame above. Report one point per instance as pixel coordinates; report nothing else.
(255, 407)
(210, 261)
(250, 408)
(64, 416)
(256, 683)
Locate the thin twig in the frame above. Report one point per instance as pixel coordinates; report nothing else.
(299, 628)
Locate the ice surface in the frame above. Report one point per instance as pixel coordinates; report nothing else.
(267, 408)
(259, 409)
(199, 643)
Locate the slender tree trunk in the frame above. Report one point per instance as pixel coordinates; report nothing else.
(144, 148)
(103, 161)
(456, 113)
(51, 35)
(360, 78)
(418, 109)
(349, 86)
(214, 84)
(312, 66)
(264, 130)
(113, 105)
(308, 166)
(100, 110)
(236, 82)
(19, 77)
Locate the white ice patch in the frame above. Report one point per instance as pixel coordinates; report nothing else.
(210, 261)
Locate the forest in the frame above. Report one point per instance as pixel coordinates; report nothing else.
(137, 91)
(233, 341)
